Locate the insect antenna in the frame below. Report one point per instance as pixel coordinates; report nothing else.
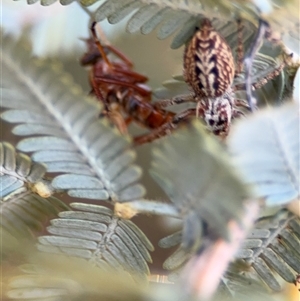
(100, 48)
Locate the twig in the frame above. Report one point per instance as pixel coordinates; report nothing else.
(130, 209)
(203, 272)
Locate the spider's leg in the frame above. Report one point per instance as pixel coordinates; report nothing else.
(166, 128)
(163, 103)
(237, 113)
(262, 28)
(266, 78)
(240, 48)
(271, 75)
(241, 103)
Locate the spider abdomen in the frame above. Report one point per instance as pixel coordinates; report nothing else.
(208, 62)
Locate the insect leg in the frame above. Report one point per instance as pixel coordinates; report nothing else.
(120, 55)
(97, 42)
(96, 90)
(104, 79)
(136, 77)
(116, 117)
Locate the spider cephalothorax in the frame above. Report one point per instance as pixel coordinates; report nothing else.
(217, 113)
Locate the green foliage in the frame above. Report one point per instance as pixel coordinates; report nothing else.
(198, 182)
(20, 177)
(95, 234)
(275, 172)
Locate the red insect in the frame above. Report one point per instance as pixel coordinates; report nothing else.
(120, 89)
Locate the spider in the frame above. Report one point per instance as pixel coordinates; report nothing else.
(209, 70)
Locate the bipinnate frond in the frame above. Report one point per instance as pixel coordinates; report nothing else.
(242, 288)
(171, 16)
(16, 170)
(65, 132)
(25, 200)
(176, 261)
(93, 233)
(182, 16)
(273, 247)
(195, 172)
(266, 149)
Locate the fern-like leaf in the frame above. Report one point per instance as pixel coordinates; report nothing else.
(16, 170)
(23, 210)
(273, 245)
(69, 136)
(242, 287)
(172, 16)
(205, 189)
(185, 15)
(266, 148)
(93, 233)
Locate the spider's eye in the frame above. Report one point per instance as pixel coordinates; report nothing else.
(211, 122)
(220, 122)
